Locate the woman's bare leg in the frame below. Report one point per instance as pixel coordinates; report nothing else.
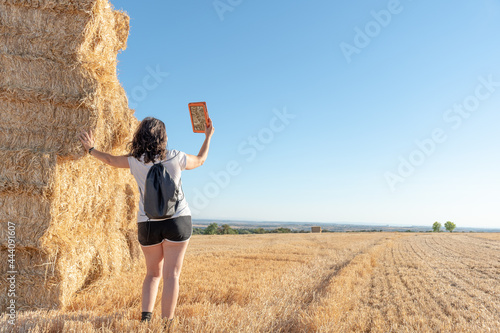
(173, 254)
(154, 265)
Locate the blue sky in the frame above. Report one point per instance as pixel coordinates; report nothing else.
(377, 112)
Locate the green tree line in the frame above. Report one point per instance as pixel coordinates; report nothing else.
(225, 229)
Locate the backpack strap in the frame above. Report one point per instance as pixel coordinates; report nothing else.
(179, 189)
(171, 158)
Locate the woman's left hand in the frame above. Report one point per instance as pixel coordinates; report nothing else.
(87, 139)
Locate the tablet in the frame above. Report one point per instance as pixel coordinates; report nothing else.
(199, 116)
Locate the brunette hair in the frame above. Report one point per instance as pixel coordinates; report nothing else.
(150, 140)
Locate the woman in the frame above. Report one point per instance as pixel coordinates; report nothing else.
(163, 242)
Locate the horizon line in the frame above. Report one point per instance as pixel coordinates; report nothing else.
(342, 222)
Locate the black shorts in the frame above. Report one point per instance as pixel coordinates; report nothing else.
(178, 229)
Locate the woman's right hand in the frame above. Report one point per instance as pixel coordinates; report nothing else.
(209, 128)
(192, 161)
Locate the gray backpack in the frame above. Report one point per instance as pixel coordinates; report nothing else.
(161, 195)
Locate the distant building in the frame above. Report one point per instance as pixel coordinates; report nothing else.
(316, 229)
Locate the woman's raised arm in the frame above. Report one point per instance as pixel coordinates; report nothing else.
(192, 161)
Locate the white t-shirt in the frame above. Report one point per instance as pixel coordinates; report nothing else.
(175, 162)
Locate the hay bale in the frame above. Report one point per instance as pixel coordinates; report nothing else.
(316, 229)
(75, 217)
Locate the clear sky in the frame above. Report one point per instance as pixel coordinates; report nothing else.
(327, 111)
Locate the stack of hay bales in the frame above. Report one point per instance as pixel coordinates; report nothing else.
(75, 217)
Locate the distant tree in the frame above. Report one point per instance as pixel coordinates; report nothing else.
(260, 231)
(450, 226)
(225, 229)
(436, 227)
(198, 231)
(211, 229)
(282, 230)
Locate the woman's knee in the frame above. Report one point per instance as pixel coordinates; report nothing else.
(154, 274)
(171, 273)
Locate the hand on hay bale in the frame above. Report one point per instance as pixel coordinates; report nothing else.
(87, 139)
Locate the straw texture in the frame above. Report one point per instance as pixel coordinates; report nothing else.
(75, 218)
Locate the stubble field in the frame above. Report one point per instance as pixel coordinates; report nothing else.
(332, 282)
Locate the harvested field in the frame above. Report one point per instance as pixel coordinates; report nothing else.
(342, 282)
(494, 236)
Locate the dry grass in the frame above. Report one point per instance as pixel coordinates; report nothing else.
(493, 236)
(349, 282)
